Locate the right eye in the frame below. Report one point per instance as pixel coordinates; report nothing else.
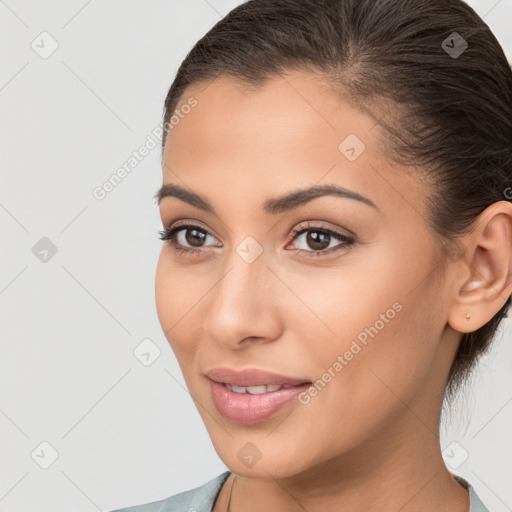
(183, 234)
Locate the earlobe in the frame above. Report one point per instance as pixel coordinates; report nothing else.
(488, 270)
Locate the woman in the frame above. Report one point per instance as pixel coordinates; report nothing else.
(337, 247)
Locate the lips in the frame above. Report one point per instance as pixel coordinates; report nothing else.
(245, 408)
(252, 377)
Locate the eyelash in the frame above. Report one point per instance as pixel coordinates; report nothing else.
(170, 235)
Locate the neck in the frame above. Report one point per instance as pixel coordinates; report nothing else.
(400, 468)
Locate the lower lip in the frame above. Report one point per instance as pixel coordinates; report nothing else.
(247, 408)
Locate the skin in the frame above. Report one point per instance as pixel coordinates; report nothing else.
(370, 438)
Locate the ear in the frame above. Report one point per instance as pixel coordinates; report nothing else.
(485, 281)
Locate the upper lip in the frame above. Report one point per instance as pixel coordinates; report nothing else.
(250, 377)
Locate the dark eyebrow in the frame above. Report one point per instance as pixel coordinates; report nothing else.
(272, 206)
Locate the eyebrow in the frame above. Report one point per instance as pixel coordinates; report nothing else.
(272, 206)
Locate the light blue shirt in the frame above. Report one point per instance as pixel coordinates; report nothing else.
(202, 498)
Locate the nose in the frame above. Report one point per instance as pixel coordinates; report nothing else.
(244, 304)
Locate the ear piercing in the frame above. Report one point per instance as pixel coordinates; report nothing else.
(468, 317)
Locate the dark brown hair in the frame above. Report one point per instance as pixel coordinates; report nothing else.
(451, 106)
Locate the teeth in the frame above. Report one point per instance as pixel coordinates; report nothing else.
(254, 390)
(274, 387)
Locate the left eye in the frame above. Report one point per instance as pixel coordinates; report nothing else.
(318, 240)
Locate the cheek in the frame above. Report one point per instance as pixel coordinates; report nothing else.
(382, 335)
(175, 297)
(165, 299)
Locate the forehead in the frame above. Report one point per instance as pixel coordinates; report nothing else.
(295, 117)
(290, 132)
(286, 111)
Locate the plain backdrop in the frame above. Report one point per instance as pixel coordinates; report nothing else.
(85, 424)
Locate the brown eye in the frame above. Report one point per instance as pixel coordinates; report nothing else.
(194, 237)
(187, 238)
(317, 241)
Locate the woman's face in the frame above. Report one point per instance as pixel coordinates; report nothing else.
(366, 320)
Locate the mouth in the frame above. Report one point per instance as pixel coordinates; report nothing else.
(259, 390)
(252, 396)
(252, 380)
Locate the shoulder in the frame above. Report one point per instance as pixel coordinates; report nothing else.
(475, 503)
(199, 499)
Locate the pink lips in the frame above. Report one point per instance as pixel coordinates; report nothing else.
(248, 408)
(250, 377)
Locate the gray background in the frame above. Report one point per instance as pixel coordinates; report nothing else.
(126, 433)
